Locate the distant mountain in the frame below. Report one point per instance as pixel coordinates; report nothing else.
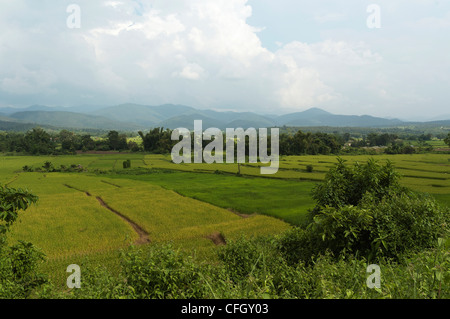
(175, 116)
(319, 117)
(442, 117)
(142, 114)
(73, 120)
(443, 123)
(187, 121)
(87, 108)
(36, 107)
(11, 126)
(133, 117)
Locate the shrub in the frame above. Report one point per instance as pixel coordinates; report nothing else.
(27, 168)
(126, 164)
(309, 168)
(99, 283)
(406, 221)
(48, 166)
(255, 268)
(343, 230)
(298, 244)
(160, 272)
(18, 263)
(239, 257)
(18, 270)
(346, 185)
(363, 210)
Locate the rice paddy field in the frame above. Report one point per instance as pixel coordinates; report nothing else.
(94, 214)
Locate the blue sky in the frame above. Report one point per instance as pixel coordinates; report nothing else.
(256, 55)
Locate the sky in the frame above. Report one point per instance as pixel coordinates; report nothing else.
(388, 58)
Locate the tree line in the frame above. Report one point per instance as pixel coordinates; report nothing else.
(158, 140)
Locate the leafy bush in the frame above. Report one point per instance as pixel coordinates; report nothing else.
(162, 273)
(239, 257)
(11, 202)
(18, 270)
(126, 164)
(347, 185)
(363, 210)
(18, 263)
(99, 283)
(343, 230)
(299, 245)
(406, 221)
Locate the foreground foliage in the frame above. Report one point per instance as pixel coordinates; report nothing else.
(18, 262)
(362, 216)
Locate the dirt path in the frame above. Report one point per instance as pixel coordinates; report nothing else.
(112, 184)
(240, 214)
(217, 238)
(72, 187)
(13, 180)
(143, 235)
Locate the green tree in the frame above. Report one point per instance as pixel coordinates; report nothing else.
(363, 209)
(19, 262)
(157, 140)
(87, 143)
(117, 141)
(346, 185)
(38, 142)
(447, 139)
(11, 202)
(69, 140)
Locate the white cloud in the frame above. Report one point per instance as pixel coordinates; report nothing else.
(206, 52)
(26, 81)
(191, 71)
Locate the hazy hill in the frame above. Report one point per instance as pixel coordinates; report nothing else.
(73, 120)
(139, 114)
(133, 117)
(319, 117)
(174, 116)
(187, 121)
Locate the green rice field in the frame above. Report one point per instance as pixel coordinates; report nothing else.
(93, 214)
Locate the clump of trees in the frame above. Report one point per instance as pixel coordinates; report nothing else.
(39, 142)
(309, 143)
(447, 139)
(49, 167)
(157, 140)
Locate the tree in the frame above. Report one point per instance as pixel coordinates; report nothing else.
(69, 141)
(11, 201)
(19, 262)
(38, 142)
(87, 143)
(157, 140)
(117, 141)
(447, 139)
(363, 209)
(346, 185)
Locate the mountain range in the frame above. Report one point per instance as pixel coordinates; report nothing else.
(133, 117)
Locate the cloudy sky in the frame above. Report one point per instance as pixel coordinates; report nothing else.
(267, 56)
